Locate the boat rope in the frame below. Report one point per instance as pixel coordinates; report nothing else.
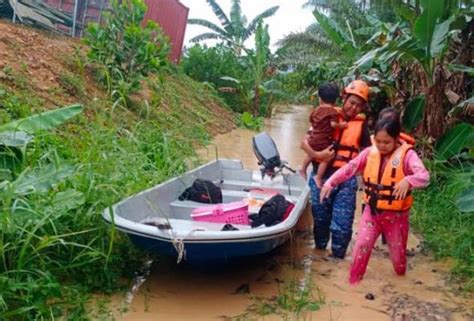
(178, 244)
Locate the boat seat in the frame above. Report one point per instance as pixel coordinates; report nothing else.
(241, 185)
(183, 209)
(180, 224)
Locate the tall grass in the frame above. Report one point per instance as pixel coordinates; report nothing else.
(297, 298)
(54, 248)
(447, 231)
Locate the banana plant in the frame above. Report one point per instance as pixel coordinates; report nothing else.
(422, 40)
(234, 30)
(344, 40)
(259, 62)
(14, 137)
(243, 88)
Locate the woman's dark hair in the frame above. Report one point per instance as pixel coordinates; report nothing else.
(390, 125)
(389, 112)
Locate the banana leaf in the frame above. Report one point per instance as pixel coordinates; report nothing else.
(413, 113)
(454, 141)
(44, 121)
(68, 200)
(425, 24)
(465, 201)
(42, 179)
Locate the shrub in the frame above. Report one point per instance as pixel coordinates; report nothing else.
(210, 64)
(123, 51)
(446, 230)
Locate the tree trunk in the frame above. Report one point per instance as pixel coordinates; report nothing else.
(256, 102)
(270, 107)
(435, 99)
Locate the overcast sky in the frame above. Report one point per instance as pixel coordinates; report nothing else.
(290, 17)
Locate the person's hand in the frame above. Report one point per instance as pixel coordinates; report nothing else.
(401, 189)
(343, 125)
(325, 155)
(324, 193)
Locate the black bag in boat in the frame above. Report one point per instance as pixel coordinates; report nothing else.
(271, 212)
(203, 191)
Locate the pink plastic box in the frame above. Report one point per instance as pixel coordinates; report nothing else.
(229, 213)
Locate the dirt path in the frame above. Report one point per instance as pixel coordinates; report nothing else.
(179, 293)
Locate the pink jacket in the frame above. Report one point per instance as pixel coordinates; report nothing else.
(415, 171)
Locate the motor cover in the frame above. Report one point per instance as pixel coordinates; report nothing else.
(266, 152)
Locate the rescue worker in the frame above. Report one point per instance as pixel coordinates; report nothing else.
(391, 168)
(334, 217)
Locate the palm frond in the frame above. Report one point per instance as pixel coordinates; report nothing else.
(300, 58)
(321, 4)
(207, 36)
(237, 19)
(220, 15)
(313, 39)
(306, 39)
(207, 24)
(254, 23)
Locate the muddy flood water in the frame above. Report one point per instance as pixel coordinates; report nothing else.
(266, 288)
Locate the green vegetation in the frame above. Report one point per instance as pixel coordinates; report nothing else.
(250, 83)
(250, 122)
(123, 52)
(296, 299)
(234, 30)
(446, 230)
(208, 65)
(57, 181)
(407, 58)
(61, 169)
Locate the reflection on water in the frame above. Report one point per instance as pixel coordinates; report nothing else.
(180, 292)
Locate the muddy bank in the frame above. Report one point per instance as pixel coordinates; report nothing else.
(173, 292)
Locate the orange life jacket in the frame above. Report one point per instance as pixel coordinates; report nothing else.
(404, 137)
(347, 140)
(408, 139)
(379, 188)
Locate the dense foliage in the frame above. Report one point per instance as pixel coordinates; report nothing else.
(248, 83)
(445, 228)
(210, 64)
(123, 51)
(419, 60)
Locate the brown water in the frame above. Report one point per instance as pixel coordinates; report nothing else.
(172, 292)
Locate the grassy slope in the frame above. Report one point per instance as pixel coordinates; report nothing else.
(446, 230)
(116, 152)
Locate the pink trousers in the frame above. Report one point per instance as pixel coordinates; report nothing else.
(394, 225)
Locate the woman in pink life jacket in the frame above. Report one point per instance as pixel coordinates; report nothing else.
(391, 169)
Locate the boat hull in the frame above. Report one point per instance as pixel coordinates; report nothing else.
(158, 222)
(210, 251)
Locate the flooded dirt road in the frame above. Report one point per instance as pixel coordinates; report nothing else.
(261, 288)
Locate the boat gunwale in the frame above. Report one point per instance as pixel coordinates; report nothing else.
(203, 236)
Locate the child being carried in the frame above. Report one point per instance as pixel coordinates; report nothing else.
(324, 120)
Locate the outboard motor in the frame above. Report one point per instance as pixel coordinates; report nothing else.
(267, 155)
